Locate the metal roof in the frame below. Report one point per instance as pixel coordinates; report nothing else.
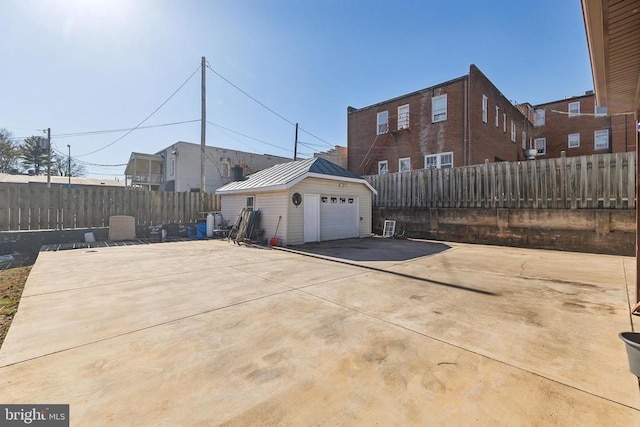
(285, 175)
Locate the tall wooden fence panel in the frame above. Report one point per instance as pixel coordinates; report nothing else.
(36, 207)
(595, 181)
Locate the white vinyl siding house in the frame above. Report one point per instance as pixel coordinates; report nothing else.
(343, 201)
(360, 194)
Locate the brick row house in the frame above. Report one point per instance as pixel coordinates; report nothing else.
(464, 121)
(467, 121)
(578, 127)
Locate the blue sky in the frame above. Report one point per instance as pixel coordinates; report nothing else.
(89, 65)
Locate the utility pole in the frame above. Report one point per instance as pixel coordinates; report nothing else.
(69, 165)
(295, 145)
(48, 157)
(203, 127)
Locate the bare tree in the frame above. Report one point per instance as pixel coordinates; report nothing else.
(60, 166)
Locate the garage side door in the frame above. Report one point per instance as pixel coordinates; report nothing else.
(338, 217)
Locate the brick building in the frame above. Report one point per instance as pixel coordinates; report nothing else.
(576, 126)
(460, 122)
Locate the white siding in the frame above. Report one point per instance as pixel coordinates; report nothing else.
(231, 204)
(271, 205)
(278, 203)
(326, 187)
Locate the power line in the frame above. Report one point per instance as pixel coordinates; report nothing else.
(84, 162)
(98, 132)
(246, 136)
(146, 118)
(248, 95)
(265, 106)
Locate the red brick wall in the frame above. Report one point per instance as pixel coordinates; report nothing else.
(422, 137)
(558, 126)
(489, 142)
(485, 141)
(623, 133)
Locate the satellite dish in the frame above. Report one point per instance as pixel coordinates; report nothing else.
(296, 199)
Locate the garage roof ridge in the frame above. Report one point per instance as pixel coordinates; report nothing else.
(284, 175)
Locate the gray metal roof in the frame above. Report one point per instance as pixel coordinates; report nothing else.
(285, 173)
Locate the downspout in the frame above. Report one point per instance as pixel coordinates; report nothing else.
(465, 120)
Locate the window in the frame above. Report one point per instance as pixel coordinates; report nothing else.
(504, 122)
(497, 116)
(225, 172)
(538, 117)
(439, 108)
(249, 203)
(431, 161)
(446, 160)
(403, 117)
(441, 160)
(383, 122)
(383, 167)
(404, 165)
(541, 145)
(485, 107)
(601, 138)
(513, 132)
(574, 140)
(574, 109)
(600, 111)
(524, 139)
(172, 166)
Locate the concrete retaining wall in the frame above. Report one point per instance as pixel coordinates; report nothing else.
(581, 230)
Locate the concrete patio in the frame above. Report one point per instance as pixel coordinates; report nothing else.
(365, 332)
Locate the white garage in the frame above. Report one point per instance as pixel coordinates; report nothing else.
(304, 201)
(338, 217)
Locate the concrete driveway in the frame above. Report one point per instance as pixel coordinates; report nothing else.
(364, 332)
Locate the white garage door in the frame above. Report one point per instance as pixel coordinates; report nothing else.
(338, 217)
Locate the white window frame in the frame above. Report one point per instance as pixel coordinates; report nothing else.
(602, 110)
(504, 122)
(497, 116)
(446, 165)
(439, 114)
(250, 206)
(403, 117)
(403, 160)
(543, 143)
(539, 117)
(573, 140)
(599, 135)
(485, 108)
(381, 170)
(574, 109)
(514, 131)
(438, 163)
(382, 126)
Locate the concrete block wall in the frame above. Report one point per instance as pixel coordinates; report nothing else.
(581, 230)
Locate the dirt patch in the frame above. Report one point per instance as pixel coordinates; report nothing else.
(11, 285)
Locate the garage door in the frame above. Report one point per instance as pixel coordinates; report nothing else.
(338, 217)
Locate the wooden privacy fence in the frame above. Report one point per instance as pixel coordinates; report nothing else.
(595, 181)
(36, 207)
